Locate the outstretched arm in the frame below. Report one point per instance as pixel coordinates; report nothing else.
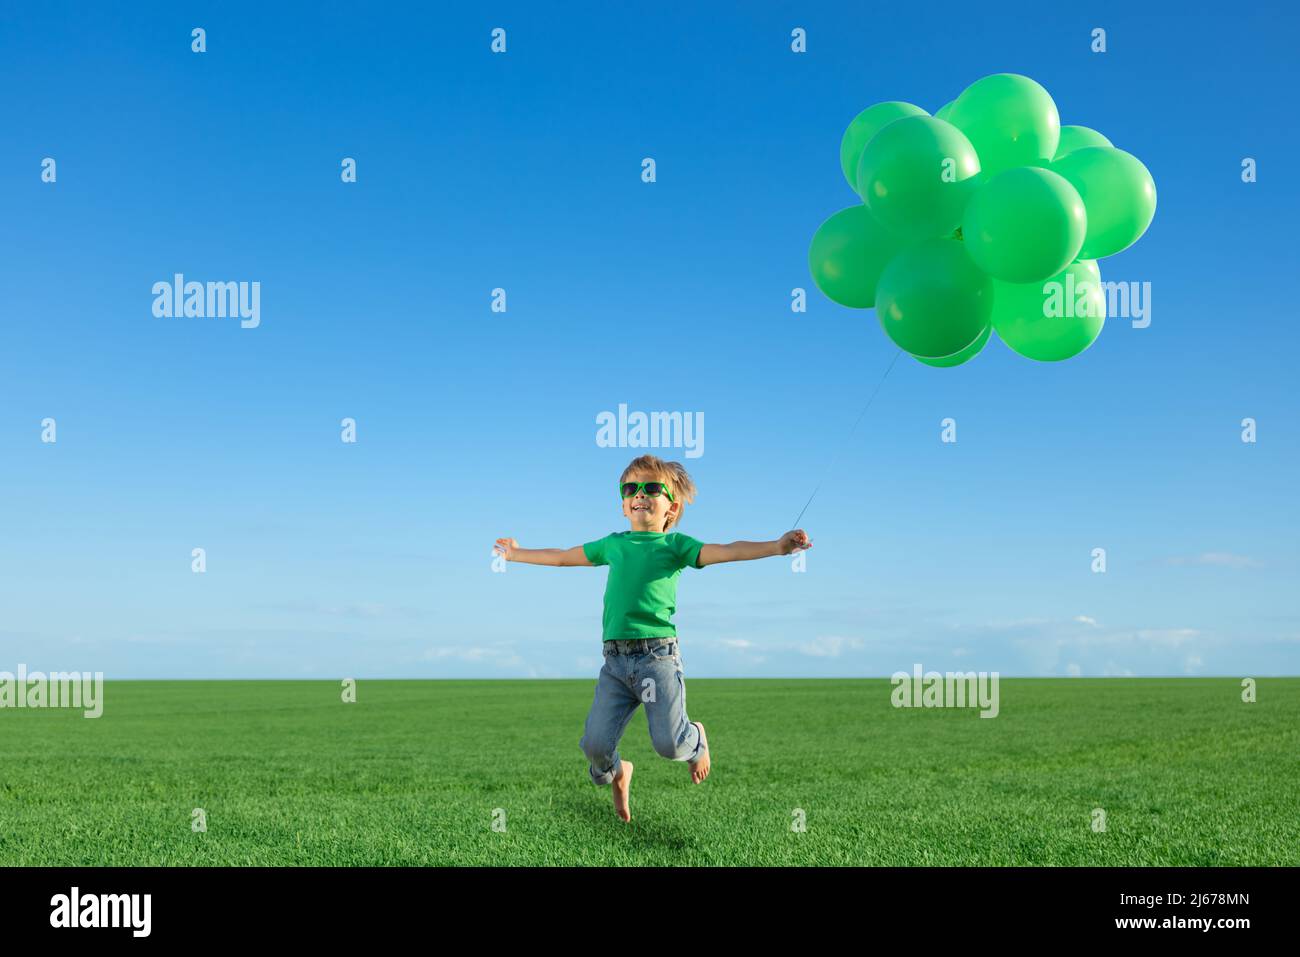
(540, 556)
(745, 551)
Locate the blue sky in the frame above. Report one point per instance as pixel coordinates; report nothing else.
(522, 171)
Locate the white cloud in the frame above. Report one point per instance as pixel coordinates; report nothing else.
(1164, 637)
(1149, 637)
(1073, 670)
(828, 646)
(498, 656)
(1080, 641)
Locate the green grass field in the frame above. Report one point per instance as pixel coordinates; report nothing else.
(1186, 773)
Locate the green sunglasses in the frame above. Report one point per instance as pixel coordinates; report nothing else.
(652, 489)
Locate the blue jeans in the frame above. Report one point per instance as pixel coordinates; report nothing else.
(638, 671)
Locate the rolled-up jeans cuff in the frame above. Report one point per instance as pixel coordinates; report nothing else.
(609, 776)
(699, 744)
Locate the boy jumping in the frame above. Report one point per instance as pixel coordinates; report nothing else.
(642, 661)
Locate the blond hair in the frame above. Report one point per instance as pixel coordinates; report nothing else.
(673, 474)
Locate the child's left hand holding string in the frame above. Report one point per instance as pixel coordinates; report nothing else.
(794, 541)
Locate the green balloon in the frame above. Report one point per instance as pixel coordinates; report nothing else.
(1118, 193)
(942, 112)
(866, 125)
(1024, 225)
(932, 301)
(847, 255)
(956, 359)
(1053, 320)
(916, 176)
(1010, 120)
(1077, 137)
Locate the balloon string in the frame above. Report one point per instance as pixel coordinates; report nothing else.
(874, 393)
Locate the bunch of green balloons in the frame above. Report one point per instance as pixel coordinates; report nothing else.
(988, 216)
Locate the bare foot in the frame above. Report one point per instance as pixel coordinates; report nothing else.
(622, 790)
(700, 767)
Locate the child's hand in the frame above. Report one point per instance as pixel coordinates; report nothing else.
(795, 541)
(506, 547)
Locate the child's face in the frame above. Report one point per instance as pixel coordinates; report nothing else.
(647, 514)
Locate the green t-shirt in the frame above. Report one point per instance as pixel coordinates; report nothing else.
(641, 591)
